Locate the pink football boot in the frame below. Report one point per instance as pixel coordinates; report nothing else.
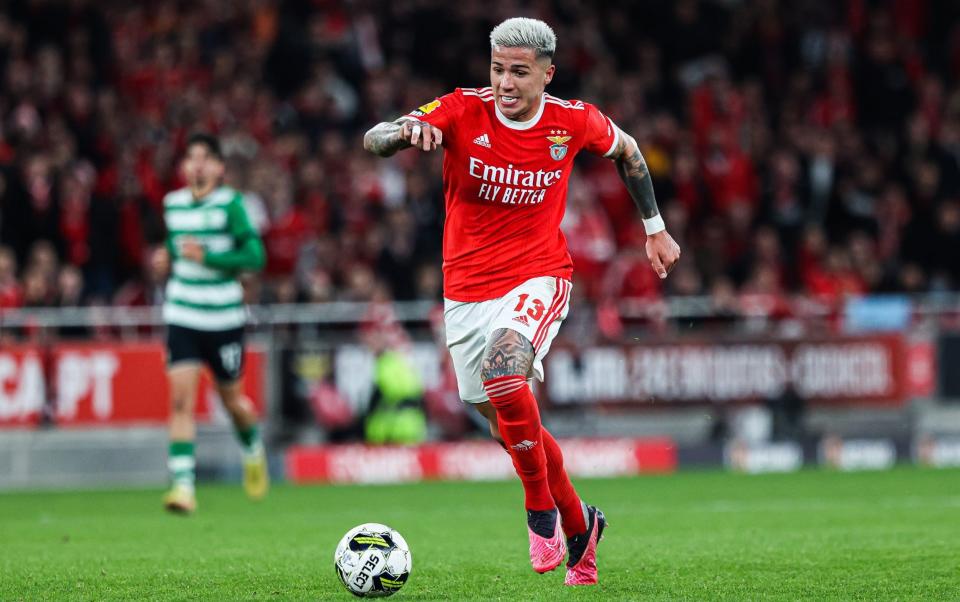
(582, 564)
(546, 553)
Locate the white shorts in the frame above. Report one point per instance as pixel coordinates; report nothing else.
(535, 309)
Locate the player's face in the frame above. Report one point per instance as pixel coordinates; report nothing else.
(201, 168)
(518, 79)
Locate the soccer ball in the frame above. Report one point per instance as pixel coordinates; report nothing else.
(372, 560)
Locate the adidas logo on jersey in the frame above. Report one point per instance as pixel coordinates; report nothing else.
(522, 319)
(482, 140)
(525, 445)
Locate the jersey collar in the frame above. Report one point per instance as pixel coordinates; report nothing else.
(216, 193)
(520, 125)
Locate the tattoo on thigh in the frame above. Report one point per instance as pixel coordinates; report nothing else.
(508, 353)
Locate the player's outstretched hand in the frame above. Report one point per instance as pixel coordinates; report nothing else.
(421, 134)
(663, 252)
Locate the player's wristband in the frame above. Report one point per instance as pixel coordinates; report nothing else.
(654, 224)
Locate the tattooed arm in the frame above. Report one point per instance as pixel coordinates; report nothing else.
(662, 251)
(386, 138)
(635, 175)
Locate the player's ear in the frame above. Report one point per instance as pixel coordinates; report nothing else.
(548, 74)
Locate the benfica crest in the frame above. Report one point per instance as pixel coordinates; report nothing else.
(558, 150)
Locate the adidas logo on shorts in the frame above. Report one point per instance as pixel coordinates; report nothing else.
(522, 319)
(482, 140)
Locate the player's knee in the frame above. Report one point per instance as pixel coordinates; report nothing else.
(181, 403)
(234, 400)
(506, 394)
(233, 403)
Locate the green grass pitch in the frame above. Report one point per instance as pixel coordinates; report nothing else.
(691, 536)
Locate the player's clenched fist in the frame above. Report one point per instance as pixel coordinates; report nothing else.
(663, 252)
(421, 134)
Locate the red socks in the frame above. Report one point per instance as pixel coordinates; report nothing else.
(519, 420)
(536, 455)
(565, 496)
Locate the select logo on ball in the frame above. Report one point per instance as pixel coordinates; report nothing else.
(362, 578)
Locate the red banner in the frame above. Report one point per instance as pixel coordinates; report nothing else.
(22, 386)
(471, 461)
(838, 370)
(921, 369)
(103, 384)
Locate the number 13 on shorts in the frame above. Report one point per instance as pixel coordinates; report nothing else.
(536, 307)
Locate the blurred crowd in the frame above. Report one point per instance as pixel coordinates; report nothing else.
(810, 146)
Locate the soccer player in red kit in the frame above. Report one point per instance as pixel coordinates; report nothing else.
(509, 153)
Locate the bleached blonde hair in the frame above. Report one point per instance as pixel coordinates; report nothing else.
(521, 32)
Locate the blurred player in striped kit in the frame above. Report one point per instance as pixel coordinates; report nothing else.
(209, 243)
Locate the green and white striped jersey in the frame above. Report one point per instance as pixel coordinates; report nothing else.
(207, 295)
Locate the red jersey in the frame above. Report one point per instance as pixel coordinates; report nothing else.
(505, 187)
